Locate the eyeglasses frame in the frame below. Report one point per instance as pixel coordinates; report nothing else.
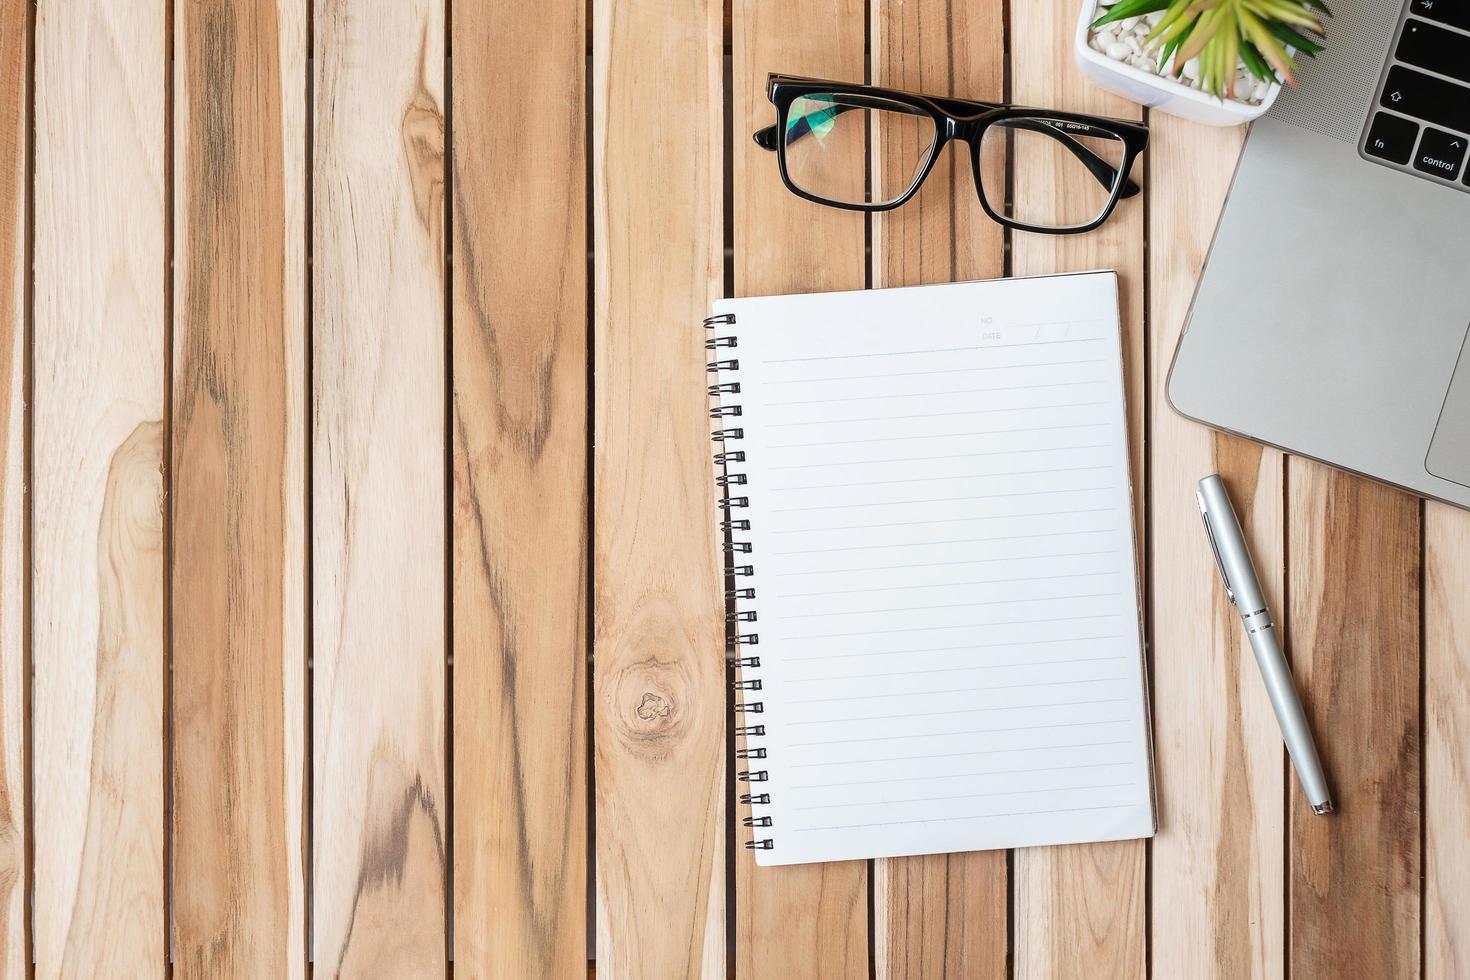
(965, 120)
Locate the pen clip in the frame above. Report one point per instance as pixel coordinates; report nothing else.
(1204, 515)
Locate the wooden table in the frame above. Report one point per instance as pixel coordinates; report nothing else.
(356, 519)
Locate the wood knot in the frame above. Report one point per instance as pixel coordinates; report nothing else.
(423, 149)
(650, 699)
(133, 504)
(652, 706)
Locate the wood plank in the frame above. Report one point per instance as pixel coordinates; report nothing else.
(939, 915)
(238, 498)
(14, 178)
(1218, 865)
(1079, 911)
(943, 234)
(812, 919)
(1446, 740)
(520, 489)
(1353, 560)
(659, 677)
(379, 447)
(98, 574)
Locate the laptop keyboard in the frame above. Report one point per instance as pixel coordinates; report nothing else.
(1422, 119)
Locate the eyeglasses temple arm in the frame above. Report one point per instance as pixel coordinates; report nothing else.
(1103, 171)
(1105, 174)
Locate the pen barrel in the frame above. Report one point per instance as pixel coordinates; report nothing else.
(1231, 551)
(1289, 714)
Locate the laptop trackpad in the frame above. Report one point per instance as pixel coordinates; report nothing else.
(1449, 451)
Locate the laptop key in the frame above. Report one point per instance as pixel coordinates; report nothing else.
(1391, 138)
(1426, 97)
(1456, 13)
(1435, 49)
(1441, 154)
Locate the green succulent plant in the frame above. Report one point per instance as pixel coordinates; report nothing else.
(1258, 33)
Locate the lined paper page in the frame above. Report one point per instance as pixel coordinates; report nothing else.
(942, 544)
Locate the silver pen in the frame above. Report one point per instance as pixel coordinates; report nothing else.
(1244, 591)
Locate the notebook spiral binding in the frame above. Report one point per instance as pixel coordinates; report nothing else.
(747, 680)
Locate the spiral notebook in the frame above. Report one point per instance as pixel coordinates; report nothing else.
(933, 593)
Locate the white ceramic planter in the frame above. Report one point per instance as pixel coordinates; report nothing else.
(1158, 91)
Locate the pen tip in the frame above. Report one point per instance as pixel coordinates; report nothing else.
(1321, 808)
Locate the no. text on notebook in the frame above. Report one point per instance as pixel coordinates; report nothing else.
(929, 515)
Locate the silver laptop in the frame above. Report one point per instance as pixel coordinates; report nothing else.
(1331, 319)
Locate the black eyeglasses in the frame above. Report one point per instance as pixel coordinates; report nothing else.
(868, 149)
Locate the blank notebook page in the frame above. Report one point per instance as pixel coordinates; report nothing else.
(941, 547)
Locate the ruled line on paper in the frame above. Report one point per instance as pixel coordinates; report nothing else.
(945, 350)
(957, 711)
(950, 605)
(937, 370)
(941, 500)
(945, 520)
(968, 816)
(933, 415)
(937, 394)
(939, 564)
(967, 646)
(832, 678)
(937, 435)
(931, 459)
(872, 760)
(937, 479)
(951, 541)
(961, 796)
(957, 626)
(801, 787)
(1010, 580)
(890, 695)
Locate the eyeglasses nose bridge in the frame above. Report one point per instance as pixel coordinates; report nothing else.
(966, 130)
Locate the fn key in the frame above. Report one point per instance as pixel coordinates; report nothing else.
(1392, 138)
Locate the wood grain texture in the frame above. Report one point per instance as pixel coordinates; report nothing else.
(520, 489)
(1353, 560)
(938, 915)
(239, 490)
(808, 920)
(942, 234)
(1218, 864)
(1446, 741)
(97, 563)
(379, 447)
(660, 681)
(14, 99)
(1079, 911)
